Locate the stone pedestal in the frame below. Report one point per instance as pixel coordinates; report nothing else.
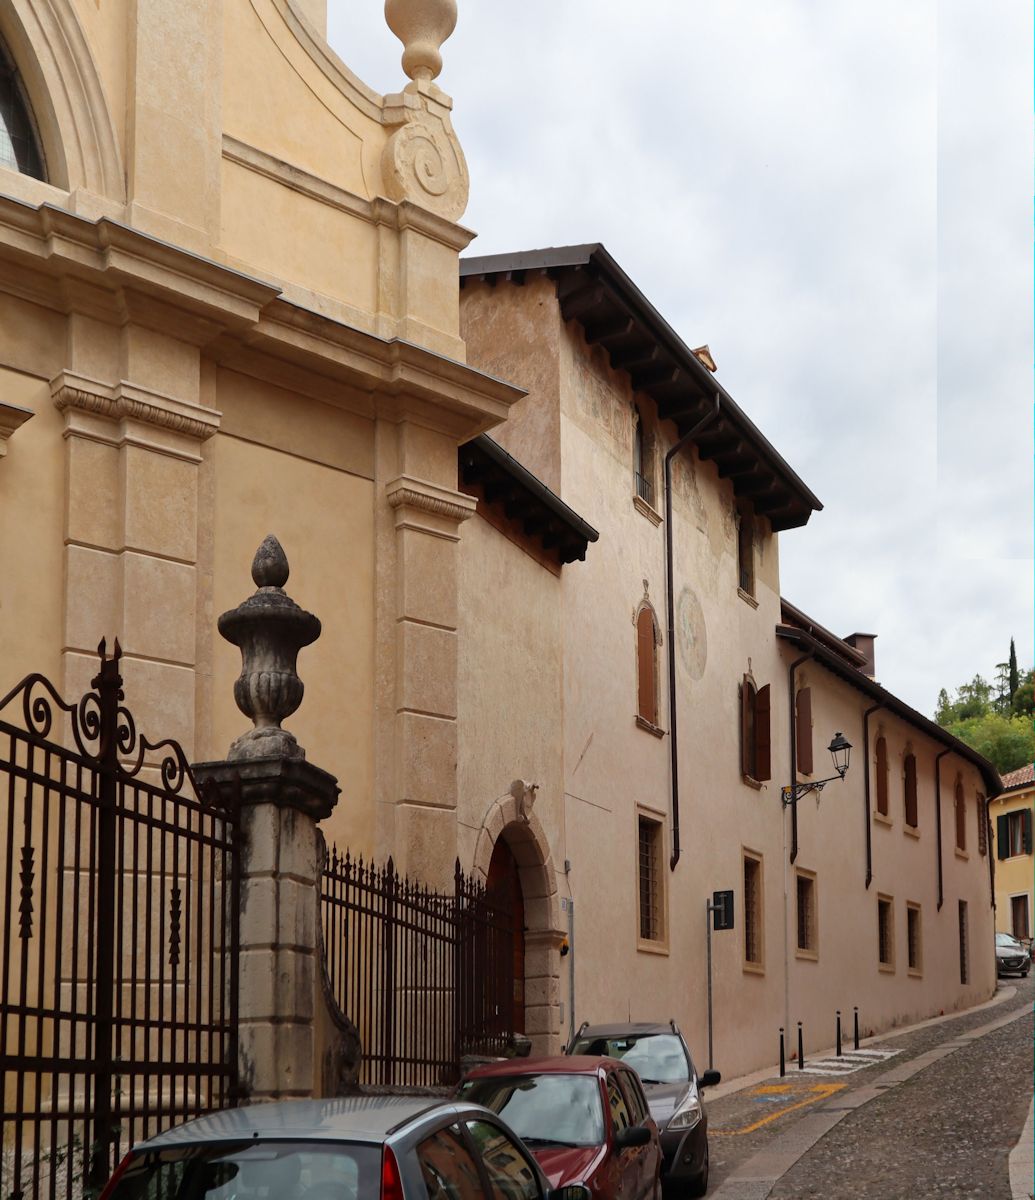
(281, 800)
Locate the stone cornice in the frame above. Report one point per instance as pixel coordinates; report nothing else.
(12, 417)
(127, 401)
(408, 492)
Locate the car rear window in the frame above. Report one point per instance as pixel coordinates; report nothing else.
(544, 1110)
(254, 1171)
(655, 1057)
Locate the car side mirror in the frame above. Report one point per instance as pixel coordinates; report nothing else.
(571, 1191)
(634, 1135)
(709, 1079)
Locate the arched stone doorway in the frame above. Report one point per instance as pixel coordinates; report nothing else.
(523, 864)
(503, 885)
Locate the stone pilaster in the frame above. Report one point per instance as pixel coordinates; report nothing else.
(422, 640)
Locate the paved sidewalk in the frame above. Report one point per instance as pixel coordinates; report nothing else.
(760, 1133)
(1022, 1160)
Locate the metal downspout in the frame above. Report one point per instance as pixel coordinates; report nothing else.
(794, 750)
(670, 606)
(938, 820)
(866, 789)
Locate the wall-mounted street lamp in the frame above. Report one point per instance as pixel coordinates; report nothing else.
(840, 751)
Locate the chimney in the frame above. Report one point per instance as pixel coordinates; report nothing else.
(863, 642)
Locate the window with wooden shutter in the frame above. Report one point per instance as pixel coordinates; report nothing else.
(747, 728)
(803, 730)
(647, 666)
(1002, 836)
(982, 824)
(1026, 831)
(909, 786)
(961, 818)
(882, 775)
(755, 735)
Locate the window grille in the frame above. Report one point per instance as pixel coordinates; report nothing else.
(964, 947)
(19, 145)
(885, 933)
(650, 880)
(913, 928)
(806, 892)
(752, 910)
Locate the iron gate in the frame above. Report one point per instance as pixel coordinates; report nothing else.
(119, 893)
(426, 977)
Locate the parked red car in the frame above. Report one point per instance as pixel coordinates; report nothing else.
(585, 1119)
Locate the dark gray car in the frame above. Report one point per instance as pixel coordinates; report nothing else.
(356, 1148)
(660, 1056)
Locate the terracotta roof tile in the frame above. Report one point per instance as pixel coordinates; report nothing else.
(1019, 777)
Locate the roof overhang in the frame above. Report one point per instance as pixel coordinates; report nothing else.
(838, 665)
(541, 514)
(594, 291)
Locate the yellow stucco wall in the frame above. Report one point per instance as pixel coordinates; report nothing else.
(1014, 874)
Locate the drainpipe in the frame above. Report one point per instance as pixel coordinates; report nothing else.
(866, 791)
(938, 821)
(670, 605)
(794, 750)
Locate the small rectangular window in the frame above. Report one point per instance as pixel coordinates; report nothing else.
(808, 940)
(746, 553)
(886, 932)
(961, 817)
(964, 945)
(881, 775)
(913, 939)
(753, 910)
(651, 881)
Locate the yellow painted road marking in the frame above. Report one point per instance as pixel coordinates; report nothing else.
(771, 1089)
(819, 1091)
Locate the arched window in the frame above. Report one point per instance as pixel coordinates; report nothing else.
(19, 145)
(882, 775)
(961, 817)
(909, 788)
(647, 665)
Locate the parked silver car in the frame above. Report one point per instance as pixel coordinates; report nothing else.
(356, 1148)
(1011, 956)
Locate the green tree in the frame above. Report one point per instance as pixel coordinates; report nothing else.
(1014, 677)
(1024, 695)
(1007, 742)
(972, 699)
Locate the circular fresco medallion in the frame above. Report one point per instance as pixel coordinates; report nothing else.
(691, 633)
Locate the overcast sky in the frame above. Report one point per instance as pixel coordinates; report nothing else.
(836, 197)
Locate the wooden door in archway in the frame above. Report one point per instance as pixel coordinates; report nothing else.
(504, 883)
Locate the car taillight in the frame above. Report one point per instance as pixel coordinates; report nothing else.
(391, 1183)
(113, 1182)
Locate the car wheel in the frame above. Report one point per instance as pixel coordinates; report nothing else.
(700, 1184)
(1024, 974)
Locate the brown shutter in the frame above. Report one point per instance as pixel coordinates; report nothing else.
(882, 776)
(982, 820)
(646, 666)
(763, 738)
(911, 807)
(746, 698)
(803, 730)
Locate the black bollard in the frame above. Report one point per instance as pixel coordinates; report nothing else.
(838, 1033)
(801, 1050)
(857, 1026)
(783, 1061)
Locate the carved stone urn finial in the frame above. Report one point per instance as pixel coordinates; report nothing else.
(270, 629)
(422, 26)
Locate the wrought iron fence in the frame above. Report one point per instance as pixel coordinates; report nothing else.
(426, 977)
(119, 894)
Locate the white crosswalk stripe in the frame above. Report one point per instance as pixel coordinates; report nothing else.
(851, 1060)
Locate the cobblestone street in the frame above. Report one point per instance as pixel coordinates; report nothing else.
(939, 1118)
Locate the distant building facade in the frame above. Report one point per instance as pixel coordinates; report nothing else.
(875, 892)
(1012, 817)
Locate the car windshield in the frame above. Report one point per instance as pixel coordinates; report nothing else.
(544, 1110)
(1005, 942)
(655, 1057)
(254, 1170)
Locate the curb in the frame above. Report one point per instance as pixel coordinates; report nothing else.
(1022, 1160)
(755, 1179)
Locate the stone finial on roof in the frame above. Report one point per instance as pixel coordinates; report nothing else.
(422, 26)
(704, 355)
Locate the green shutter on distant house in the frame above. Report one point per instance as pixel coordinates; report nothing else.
(1026, 831)
(1002, 836)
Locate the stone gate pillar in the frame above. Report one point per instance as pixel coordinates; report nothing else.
(285, 1050)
